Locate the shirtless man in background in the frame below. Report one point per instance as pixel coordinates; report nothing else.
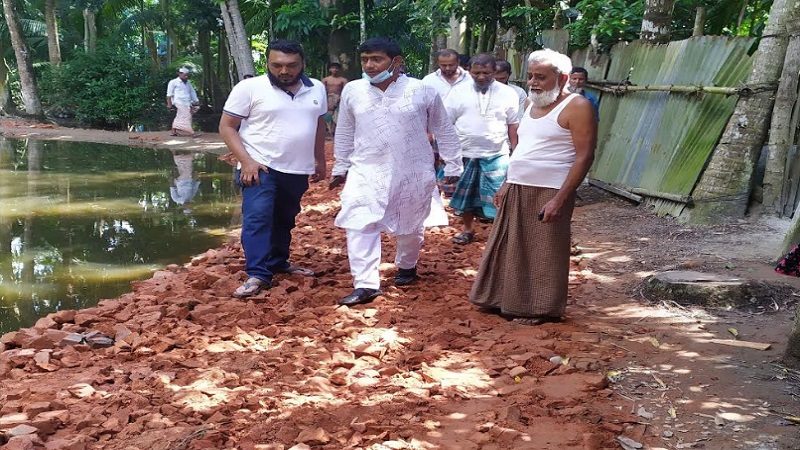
(334, 83)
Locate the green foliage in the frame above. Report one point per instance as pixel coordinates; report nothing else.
(610, 21)
(109, 89)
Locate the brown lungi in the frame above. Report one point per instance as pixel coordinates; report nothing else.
(525, 267)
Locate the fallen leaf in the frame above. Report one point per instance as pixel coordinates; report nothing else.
(655, 342)
(614, 375)
(734, 332)
(660, 382)
(672, 412)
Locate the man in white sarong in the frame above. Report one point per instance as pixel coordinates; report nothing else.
(383, 152)
(182, 96)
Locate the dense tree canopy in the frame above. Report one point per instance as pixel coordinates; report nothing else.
(156, 36)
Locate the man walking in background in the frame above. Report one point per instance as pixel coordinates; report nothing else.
(334, 83)
(485, 115)
(182, 97)
(274, 127)
(383, 153)
(503, 74)
(448, 75)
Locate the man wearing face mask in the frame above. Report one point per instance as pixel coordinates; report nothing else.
(383, 153)
(273, 124)
(524, 272)
(486, 115)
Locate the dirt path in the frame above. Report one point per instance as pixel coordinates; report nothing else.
(190, 367)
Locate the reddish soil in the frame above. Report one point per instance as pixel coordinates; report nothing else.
(190, 367)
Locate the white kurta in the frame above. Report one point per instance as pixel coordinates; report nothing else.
(382, 145)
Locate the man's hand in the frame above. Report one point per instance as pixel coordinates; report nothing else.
(500, 195)
(552, 210)
(336, 181)
(320, 173)
(250, 172)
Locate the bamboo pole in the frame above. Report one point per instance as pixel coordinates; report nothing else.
(622, 88)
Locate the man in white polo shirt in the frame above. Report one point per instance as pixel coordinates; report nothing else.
(448, 75)
(278, 146)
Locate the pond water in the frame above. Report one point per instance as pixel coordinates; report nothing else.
(79, 222)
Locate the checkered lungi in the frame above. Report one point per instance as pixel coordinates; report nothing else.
(478, 184)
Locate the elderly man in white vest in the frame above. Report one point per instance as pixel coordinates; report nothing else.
(525, 268)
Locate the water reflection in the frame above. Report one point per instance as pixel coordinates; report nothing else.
(79, 221)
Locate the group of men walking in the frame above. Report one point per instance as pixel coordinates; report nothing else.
(513, 157)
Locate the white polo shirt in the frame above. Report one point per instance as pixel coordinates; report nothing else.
(442, 86)
(482, 120)
(280, 130)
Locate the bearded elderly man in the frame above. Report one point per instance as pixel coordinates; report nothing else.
(525, 268)
(273, 124)
(383, 152)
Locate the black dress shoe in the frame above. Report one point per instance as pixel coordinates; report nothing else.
(405, 277)
(360, 296)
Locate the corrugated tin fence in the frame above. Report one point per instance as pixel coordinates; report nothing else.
(656, 144)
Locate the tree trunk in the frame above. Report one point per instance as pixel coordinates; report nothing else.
(223, 84)
(89, 31)
(30, 93)
(742, 12)
(699, 21)
(169, 28)
(152, 49)
(53, 47)
(467, 45)
(491, 36)
(204, 42)
(784, 121)
(217, 95)
(724, 187)
(6, 105)
(482, 39)
(657, 21)
(362, 21)
(240, 44)
(342, 43)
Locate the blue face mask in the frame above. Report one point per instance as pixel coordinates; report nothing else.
(379, 78)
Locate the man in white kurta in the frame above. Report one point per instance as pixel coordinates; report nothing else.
(182, 96)
(382, 148)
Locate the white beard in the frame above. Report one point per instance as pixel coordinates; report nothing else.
(546, 98)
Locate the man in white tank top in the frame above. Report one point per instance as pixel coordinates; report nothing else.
(525, 268)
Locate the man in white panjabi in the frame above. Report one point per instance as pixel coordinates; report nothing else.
(383, 153)
(182, 96)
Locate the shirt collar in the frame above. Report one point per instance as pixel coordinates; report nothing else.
(306, 81)
(461, 75)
